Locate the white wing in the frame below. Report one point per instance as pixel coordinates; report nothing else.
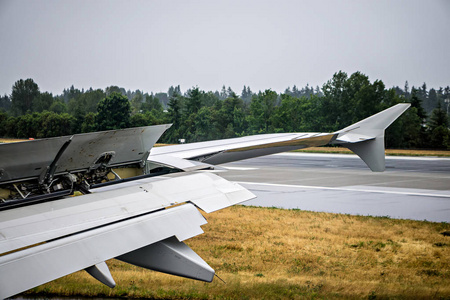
(365, 138)
(45, 234)
(81, 232)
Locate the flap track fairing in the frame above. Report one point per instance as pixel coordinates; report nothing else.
(172, 257)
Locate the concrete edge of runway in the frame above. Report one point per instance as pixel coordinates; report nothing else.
(354, 156)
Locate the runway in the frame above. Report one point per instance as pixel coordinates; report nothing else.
(415, 188)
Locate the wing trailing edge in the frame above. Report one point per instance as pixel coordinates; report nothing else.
(366, 138)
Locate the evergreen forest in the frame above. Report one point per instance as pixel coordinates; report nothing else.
(199, 115)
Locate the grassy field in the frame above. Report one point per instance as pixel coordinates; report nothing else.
(266, 253)
(7, 140)
(393, 152)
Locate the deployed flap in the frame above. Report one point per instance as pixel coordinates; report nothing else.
(101, 272)
(30, 225)
(172, 257)
(366, 137)
(207, 191)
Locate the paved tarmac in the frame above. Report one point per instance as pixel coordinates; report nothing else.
(411, 187)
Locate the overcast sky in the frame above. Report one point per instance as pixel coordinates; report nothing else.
(151, 45)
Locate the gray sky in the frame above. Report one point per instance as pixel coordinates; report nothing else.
(151, 45)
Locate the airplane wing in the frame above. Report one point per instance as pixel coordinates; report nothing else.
(365, 138)
(71, 203)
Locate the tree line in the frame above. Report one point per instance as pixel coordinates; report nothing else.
(199, 115)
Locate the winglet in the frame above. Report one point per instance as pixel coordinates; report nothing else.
(366, 138)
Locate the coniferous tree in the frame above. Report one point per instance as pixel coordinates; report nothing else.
(136, 102)
(223, 93)
(193, 101)
(417, 103)
(406, 89)
(5, 103)
(432, 99)
(246, 94)
(438, 127)
(174, 111)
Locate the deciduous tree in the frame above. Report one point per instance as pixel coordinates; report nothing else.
(113, 112)
(23, 94)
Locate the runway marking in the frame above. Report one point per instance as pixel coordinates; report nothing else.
(346, 189)
(240, 168)
(298, 154)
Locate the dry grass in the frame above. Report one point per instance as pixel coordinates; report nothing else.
(417, 152)
(395, 152)
(292, 254)
(6, 140)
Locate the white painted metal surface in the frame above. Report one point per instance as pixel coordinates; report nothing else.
(133, 220)
(366, 137)
(40, 264)
(172, 257)
(34, 224)
(228, 150)
(31, 158)
(101, 272)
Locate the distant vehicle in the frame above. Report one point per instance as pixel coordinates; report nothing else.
(71, 203)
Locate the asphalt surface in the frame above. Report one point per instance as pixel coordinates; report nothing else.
(411, 187)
